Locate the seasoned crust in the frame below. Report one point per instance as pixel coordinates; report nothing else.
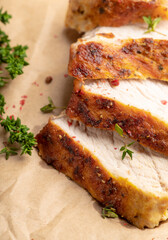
(84, 15)
(131, 59)
(103, 112)
(140, 208)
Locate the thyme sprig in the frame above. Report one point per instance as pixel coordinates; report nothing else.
(4, 16)
(109, 212)
(2, 104)
(18, 133)
(152, 23)
(9, 151)
(13, 60)
(124, 149)
(119, 130)
(50, 107)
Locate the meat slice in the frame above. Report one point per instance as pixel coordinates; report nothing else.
(121, 53)
(137, 189)
(139, 107)
(84, 15)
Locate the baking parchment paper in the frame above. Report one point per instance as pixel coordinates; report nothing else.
(36, 201)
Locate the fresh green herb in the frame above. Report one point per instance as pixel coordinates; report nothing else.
(3, 81)
(4, 17)
(4, 39)
(2, 104)
(18, 133)
(109, 212)
(152, 23)
(9, 151)
(13, 59)
(50, 107)
(125, 150)
(119, 130)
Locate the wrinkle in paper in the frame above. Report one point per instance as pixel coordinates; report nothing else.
(37, 202)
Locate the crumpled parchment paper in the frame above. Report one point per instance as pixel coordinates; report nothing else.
(36, 201)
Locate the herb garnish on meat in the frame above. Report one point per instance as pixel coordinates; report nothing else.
(109, 212)
(152, 23)
(124, 148)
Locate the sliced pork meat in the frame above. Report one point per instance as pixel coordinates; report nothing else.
(137, 189)
(84, 15)
(121, 53)
(140, 107)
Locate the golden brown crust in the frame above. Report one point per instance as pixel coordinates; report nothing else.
(132, 59)
(62, 152)
(84, 15)
(102, 112)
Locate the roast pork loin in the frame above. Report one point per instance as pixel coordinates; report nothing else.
(137, 189)
(121, 53)
(84, 15)
(140, 107)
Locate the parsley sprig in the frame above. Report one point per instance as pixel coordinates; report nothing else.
(124, 149)
(12, 60)
(109, 212)
(50, 107)
(152, 23)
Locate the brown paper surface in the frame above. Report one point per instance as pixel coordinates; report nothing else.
(37, 202)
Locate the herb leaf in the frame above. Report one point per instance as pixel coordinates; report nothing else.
(129, 152)
(109, 212)
(123, 155)
(2, 81)
(4, 16)
(130, 144)
(119, 130)
(19, 133)
(12, 57)
(9, 151)
(50, 107)
(125, 150)
(151, 23)
(14, 60)
(2, 104)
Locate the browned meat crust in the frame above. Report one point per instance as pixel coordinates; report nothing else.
(100, 112)
(84, 15)
(132, 59)
(63, 153)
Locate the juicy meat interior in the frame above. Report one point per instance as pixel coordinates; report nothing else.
(137, 188)
(140, 107)
(121, 53)
(84, 15)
